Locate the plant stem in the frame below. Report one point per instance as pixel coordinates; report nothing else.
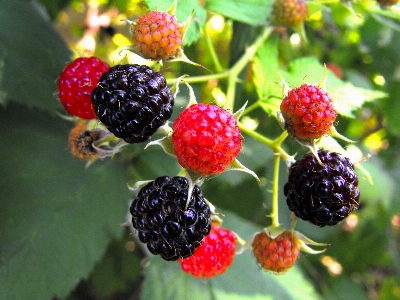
(275, 145)
(275, 185)
(202, 78)
(238, 67)
(213, 54)
(250, 108)
(233, 73)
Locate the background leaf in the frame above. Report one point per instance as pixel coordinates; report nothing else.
(253, 12)
(32, 55)
(57, 217)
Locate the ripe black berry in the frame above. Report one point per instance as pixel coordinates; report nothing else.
(322, 195)
(164, 223)
(132, 101)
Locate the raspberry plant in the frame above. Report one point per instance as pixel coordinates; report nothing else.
(64, 204)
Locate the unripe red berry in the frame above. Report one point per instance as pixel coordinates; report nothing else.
(308, 112)
(278, 254)
(76, 83)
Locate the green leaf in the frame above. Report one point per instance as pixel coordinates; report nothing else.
(391, 107)
(382, 191)
(32, 56)
(390, 288)
(56, 217)
(54, 7)
(117, 270)
(388, 18)
(243, 280)
(183, 11)
(265, 67)
(346, 288)
(253, 12)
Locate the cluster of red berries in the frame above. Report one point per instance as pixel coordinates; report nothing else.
(171, 215)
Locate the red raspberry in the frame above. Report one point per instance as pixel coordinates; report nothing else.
(308, 112)
(278, 254)
(157, 35)
(214, 256)
(76, 83)
(289, 13)
(206, 139)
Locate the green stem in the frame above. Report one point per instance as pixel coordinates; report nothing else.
(233, 73)
(231, 91)
(202, 78)
(238, 67)
(275, 145)
(275, 188)
(250, 52)
(213, 54)
(251, 107)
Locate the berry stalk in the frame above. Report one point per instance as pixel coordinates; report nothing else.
(233, 73)
(275, 187)
(241, 64)
(212, 52)
(274, 145)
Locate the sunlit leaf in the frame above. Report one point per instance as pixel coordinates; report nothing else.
(265, 67)
(253, 12)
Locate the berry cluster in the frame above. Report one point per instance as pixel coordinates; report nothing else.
(76, 83)
(289, 13)
(170, 214)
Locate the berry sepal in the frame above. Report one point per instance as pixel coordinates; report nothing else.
(138, 185)
(238, 166)
(165, 143)
(305, 241)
